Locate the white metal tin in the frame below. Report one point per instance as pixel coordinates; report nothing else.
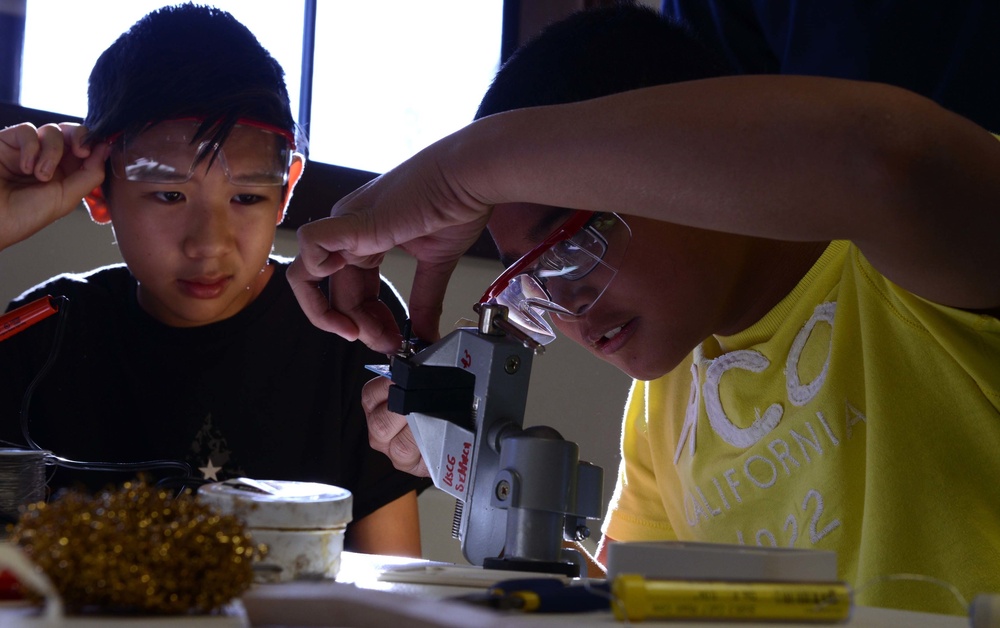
(301, 523)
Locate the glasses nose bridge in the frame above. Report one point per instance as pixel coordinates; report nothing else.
(210, 155)
(566, 274)
(575, 296)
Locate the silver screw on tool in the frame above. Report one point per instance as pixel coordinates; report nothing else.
(503, 490)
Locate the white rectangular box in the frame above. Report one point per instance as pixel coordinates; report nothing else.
(678, 560)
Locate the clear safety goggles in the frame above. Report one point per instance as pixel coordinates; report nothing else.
(169, 152)
(564, 275)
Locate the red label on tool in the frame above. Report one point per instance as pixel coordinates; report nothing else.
(461, 465)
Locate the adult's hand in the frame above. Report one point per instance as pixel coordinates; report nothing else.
(44, 174)
(423, 207)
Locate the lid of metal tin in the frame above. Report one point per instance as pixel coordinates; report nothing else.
(281, 504)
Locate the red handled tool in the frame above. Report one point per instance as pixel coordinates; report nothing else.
(25, 316)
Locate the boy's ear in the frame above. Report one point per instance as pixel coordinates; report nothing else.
(97, 205)
(294, 174)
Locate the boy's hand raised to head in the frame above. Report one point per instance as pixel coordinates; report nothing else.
(44, 174)
(420, 208)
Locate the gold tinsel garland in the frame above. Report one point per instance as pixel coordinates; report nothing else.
(138, 550)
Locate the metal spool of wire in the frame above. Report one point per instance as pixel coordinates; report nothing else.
(22, 480)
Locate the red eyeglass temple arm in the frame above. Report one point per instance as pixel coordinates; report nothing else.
(244, 121)
(566, 230)
(25, 316)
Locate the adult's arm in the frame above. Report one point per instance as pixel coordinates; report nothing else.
(782, 157)
(789, 158)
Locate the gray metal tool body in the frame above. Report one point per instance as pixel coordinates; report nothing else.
(520, 492)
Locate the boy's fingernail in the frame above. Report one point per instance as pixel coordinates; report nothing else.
(46, 168)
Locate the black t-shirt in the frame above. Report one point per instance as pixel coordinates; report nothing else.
(263, 394)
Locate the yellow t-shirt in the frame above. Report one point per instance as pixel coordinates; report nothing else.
(854, 417)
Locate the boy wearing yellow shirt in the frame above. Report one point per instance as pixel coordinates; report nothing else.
(800, 273)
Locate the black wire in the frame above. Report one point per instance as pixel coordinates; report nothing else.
(150, 465)
(62, 310)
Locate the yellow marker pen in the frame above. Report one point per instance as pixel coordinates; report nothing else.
(637, 598)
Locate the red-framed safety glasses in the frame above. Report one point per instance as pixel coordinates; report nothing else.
(168, 152)
(564, 275)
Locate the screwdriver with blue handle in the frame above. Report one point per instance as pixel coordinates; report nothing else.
(544, 595)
